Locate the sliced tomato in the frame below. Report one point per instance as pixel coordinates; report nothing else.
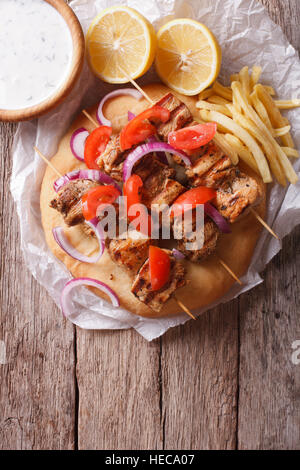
(193, 198)
(132, 190)
(194, 137)
(102, 195)
(95, 144)
(159, 266)
(139, 128)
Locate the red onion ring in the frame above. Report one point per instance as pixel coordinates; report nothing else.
(215, 215)
(85, 281)
(142, 150)
(77, 143)
(123, 91)
(94, 175)
(63, 242)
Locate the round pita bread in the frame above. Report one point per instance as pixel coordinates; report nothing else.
(208, 281)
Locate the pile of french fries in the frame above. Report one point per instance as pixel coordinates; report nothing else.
(250, 125)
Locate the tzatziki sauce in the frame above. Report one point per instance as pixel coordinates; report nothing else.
(36, 52)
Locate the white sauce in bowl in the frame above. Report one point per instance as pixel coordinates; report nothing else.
(35, 52)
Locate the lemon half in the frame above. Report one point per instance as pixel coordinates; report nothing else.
(120, 39)
(188, 57)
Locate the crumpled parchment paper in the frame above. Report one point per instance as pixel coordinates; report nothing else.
(247, 36)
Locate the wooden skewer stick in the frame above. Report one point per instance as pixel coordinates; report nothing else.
(90, 118)
(47, 161)
(258, 217)
(137, 86)
(225, 266)
(184, 308)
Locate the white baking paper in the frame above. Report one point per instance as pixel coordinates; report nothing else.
(247, 36)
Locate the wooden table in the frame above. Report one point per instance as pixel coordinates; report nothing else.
(224, 382)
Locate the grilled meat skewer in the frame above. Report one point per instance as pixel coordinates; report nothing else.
(68, 200)
(211, 235)
(236, 191)
(141, 286)
(130, 253)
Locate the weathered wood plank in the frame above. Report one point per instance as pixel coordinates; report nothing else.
(269, 400)
(119, 392)
(199, 381)
(37, 391)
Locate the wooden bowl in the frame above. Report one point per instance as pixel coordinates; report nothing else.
(75, 69)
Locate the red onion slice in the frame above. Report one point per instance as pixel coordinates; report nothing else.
(77, 143)
(131, 116)
(85, 281)
(142, 150)
(123, 91)
(177, 254)
(161, 155)
(63, 242)
(94, 175)
(215, 215)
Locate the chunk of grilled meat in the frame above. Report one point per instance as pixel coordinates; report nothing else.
(129, 253)
(159, 188)
(204, 166)
(211, 236)
(235, 196)
(68, 200)
(112, 159)
(236, 191)
(180, 115)
(141, 286)
(151, 165)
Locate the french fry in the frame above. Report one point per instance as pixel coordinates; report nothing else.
(290, 152)
(213, 107)
(270, 90)
(206, 94)
(287, 104)
(288, 167)
(244, 136)
(234, 77)
(217, 100)
(236, 103)
(269, 150)
(282, 131)
(223, 91)
(261, 110)
(221, 141)
(250, 112)
(242, 151)
(275, 116)
(245, 80)
(255, 75)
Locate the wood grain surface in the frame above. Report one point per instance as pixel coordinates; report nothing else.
(223, 382)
